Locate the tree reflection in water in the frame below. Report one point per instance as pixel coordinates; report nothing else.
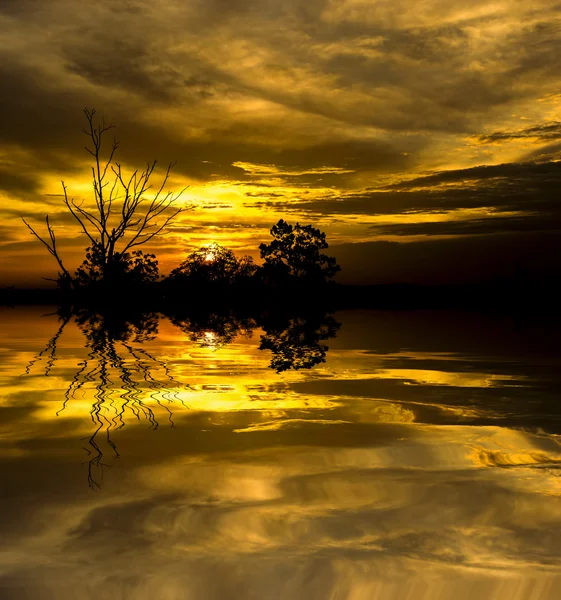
(295, 341)
(124, 375)
(213, 329)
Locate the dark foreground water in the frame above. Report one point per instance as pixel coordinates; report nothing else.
(421, 460)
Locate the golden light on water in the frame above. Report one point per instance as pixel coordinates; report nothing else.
(396, 470)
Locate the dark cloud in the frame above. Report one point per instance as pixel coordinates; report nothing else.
(80, 242)
(546, 133)
(18, 183)
(47, 121)
(434, 79)
(215, 206)
(268, 194)
(427, 44)
(371, 155)
(543, 39)
(140, 65)
(18, 7)
(419, 77)
(529, 188)
(7, 234)
(464, 259)
(33, 113)
(502, 224)
(136, 73)
(528, 171)
(58, 215)
(549, 152)
(131, 50)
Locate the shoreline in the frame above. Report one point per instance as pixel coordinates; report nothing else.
(483, 297)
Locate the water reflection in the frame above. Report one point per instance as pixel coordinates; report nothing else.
(130, 381)
(213, 329)
(420, 459)
(296, 341)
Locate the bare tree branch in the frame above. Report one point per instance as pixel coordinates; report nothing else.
(51, 247)
(121, 216)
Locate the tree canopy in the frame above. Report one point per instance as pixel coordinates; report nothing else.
(295, 254)
(213, 264)
(134, 268)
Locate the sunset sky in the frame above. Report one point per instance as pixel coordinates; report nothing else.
(424, 136)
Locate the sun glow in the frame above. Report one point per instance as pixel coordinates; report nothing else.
(211, 252)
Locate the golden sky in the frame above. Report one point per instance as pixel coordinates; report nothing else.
(422, 135)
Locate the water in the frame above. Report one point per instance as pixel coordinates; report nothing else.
(417, 457)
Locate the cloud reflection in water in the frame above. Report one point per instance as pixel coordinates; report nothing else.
(368, 476)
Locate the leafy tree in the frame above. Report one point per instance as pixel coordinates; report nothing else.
(125, 269)
(122, 216)
(213, 264)
(295, 254)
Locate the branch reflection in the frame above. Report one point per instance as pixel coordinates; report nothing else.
(124, 379)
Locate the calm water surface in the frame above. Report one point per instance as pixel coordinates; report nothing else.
(168, 460)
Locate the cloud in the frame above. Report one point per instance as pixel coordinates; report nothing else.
(7, 234)
(521, 172)
(338, 98)
(17, 183)
(528, 189)
(208, 226)
(499, 224)
(542, 133)
(456, 260)
(320, 67)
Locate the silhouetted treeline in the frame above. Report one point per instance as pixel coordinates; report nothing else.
(127, 211)
(293, 263)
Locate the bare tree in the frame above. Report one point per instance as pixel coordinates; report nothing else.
(64, 275)
(123, 216)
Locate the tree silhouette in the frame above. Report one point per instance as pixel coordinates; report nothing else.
(295, 255)
(133, 269)
(212, 264)
(122, 216)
